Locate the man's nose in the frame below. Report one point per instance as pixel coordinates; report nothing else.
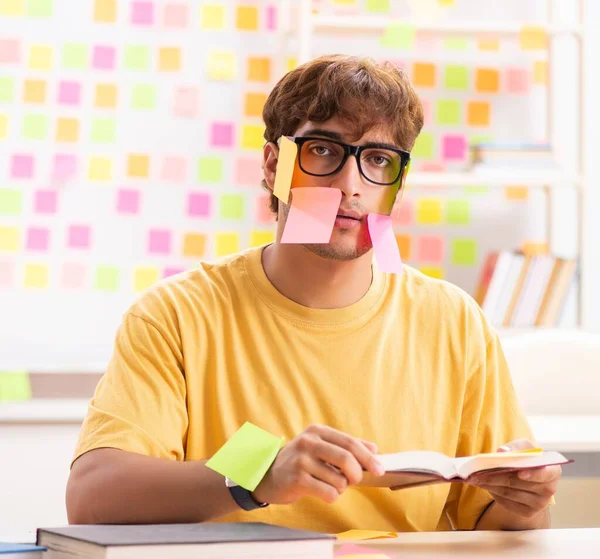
(349, 179)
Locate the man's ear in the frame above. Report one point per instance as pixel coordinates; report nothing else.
(270, 155)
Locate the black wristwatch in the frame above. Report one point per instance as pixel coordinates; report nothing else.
(243, 497)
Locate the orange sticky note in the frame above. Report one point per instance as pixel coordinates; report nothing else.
(365, 535)
(254, 103)
(478, 113)
(534, 248)
(533, 38)
(487, 80)
(404, 243)
(285, 168)
(385, 247)
(424, 74)
(246, 18)
(488, 44)
(259, 69)
(516, 193)
(312, 215)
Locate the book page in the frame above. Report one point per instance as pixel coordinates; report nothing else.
(510, 460)
(420, 461)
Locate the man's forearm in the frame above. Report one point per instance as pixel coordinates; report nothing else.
(109, 486)
(498, 518)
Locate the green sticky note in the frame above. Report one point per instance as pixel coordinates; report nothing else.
(39, 8)
(35, 127)
(143, 97)
(7, 89)
(424, 147)
(456, 43)
(458, 212)
(456, 77)
(14, 386)
(448, 111)
(399, 36)
(137, 57)
(481, 139)
(381, 6)
(11, 201)
(247, 456)
(477, 190)
(210, 169)
(107, 278)
(464, 252)
(232, 206)
(75, 56)
(104, 130)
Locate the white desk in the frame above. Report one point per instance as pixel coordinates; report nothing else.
(581, 543)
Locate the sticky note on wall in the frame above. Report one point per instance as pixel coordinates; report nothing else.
(14, 386)
(10, 239)
(286, 161)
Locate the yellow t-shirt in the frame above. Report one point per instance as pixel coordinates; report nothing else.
(412, 365)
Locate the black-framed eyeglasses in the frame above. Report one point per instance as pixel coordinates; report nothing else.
(378, 163)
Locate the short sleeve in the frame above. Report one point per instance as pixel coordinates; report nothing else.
(140, 402)
(491, 417)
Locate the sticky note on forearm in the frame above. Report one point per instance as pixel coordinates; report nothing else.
(247, 456)
(286, 161)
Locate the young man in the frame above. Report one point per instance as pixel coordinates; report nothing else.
(312, 343)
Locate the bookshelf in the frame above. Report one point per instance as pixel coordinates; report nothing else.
(572, 88)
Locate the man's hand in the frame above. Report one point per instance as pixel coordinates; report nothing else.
(526, 493)
(320, 462)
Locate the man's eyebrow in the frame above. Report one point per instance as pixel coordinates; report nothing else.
(337, 136)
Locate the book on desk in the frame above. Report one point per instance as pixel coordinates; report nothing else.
(21, 551)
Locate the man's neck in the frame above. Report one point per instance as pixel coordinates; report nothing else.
(313, 281)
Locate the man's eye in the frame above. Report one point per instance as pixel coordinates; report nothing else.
(320, 150)
(379, 160)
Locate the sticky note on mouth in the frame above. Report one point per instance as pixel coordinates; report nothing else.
(384, 242)
(312, 215)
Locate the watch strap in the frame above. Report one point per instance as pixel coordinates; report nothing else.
(244, 498)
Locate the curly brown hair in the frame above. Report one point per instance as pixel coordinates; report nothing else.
(358, 90)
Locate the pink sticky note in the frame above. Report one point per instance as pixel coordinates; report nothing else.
(518, 80)
(430, 248)
(198, 204)
(9, 51)
(263, 211)
(38, 239)
(175, 15)
(454, 147)
(248, 171)
(312, 215)
(45, 201)
(7, 274)
(403, 213)
(64, 167)
(78, 236)
(221, 134)
(385, 247)
(432, 167)
(22, 166)
(142, 13)
(128, 201)
(72, 275)
(69, 93)
(103, 58)
(270, 18)
(173, 169)
(427, 111)
(172, 272)
(159, 241)
(186, 102)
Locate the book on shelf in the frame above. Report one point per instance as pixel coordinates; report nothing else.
(414, 468)
(183, 541)
(523, 291)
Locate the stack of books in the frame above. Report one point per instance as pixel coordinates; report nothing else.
(524, 291)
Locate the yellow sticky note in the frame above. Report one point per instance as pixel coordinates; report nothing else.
(365, 535)
(105, 11)
(34, 91)
(246, 18)
(212, 16)
(138, 166)
(222, 65)
(540, 72)
(194, 245)
(67, 130)
(260, 238)
(253, 136)
(11, 7)
(99, 169)
(40, 57)
(288, 150)
(488, 44)
(9, 239)
(432, 271)
(291, 63)
(429, 211)
(14, 386)
(534, 38)
(105, 96)
(516, 193)
(246, 456)
(227, 243)
(143, 278)
(36, 276)
(3, 126)
(169, 59)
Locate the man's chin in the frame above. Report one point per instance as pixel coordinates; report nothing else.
(334, 251)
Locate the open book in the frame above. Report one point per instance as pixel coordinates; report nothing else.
(410, 469)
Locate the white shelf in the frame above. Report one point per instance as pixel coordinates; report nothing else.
(525, 178)
(379, 23)
(44, 411)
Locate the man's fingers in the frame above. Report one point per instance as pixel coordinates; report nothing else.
(329, 475)
(320, 489)
(342, 459)
(518, 508)
(371, 446)
(546, 474)
(515, 446)
(537, 476)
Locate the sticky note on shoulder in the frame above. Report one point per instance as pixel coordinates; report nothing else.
(247, 456)
(385, 246)
(288, 151)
